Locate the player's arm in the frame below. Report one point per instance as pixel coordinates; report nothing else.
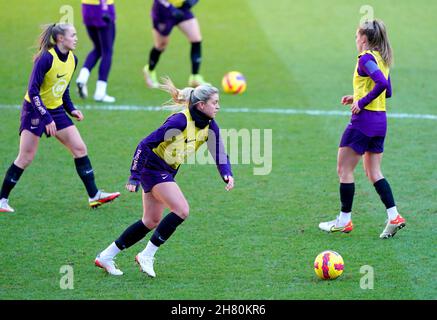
(173, 126)
(41, 66)
(217, 150)
(368, 65)
(68, 104)
(388, 90)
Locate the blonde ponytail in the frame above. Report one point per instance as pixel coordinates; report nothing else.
(48, 37)
(377, 38)
(184, 98)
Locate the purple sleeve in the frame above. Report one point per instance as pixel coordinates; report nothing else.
(367, 66)
(388, 90)
(40, 68)
(66, 99)
(68, 104)
(217, 150)
(173, 126)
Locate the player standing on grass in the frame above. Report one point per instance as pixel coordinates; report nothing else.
(45, 109)
(155, 163)
(165, 15)
(365, 134)
(99, 19)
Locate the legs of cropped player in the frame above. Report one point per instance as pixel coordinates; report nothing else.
(106, 38)
(103, 40)
(372, 166)
(90, 62)
(160, 43)
(191, 29)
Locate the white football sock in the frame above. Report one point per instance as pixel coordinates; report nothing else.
(150, 250)
(100, 90)
(111, 251)
(344, 218)
(392, 213)
(84, 74)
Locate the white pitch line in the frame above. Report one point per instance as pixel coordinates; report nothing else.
(280, 111)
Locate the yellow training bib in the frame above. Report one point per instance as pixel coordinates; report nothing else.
(176, 150)
(56, 80)
(363, 85)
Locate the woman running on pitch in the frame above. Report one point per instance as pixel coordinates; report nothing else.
(155, 163)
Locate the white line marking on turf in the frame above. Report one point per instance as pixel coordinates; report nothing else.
(281, 111)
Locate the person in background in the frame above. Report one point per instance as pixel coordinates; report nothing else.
(99, 19)
(166, 15)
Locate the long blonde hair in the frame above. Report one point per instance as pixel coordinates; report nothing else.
(48, 37)
(377, 38)
(186, 97)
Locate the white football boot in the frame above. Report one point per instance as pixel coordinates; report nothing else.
(100, 93)
(146, 264)
(108, 264)
(4, 206)
(392, 227)
(334, 226)
(101, 198)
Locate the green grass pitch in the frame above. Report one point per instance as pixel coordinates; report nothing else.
(260, 240)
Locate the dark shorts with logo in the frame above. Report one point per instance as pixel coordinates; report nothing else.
(361, 143)
(151, 177)
(163, 21)
(31, 119)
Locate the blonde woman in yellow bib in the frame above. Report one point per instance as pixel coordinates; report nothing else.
(365, 134)
(45, 107)
(156, 162)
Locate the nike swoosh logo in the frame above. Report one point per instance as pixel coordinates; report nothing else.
(334, 229)
(32, 128)
(14, 181)
(164, 176)
(60, 76)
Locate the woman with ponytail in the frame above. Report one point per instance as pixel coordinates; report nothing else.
(45, 107)
(364, 136)
(155, 164)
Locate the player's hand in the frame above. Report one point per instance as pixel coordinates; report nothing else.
(347, 100)
(132, 185)
(177, 13)
(355, 108)
(229, 182)
(77, 114)
(106, 18)
(51, 129)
